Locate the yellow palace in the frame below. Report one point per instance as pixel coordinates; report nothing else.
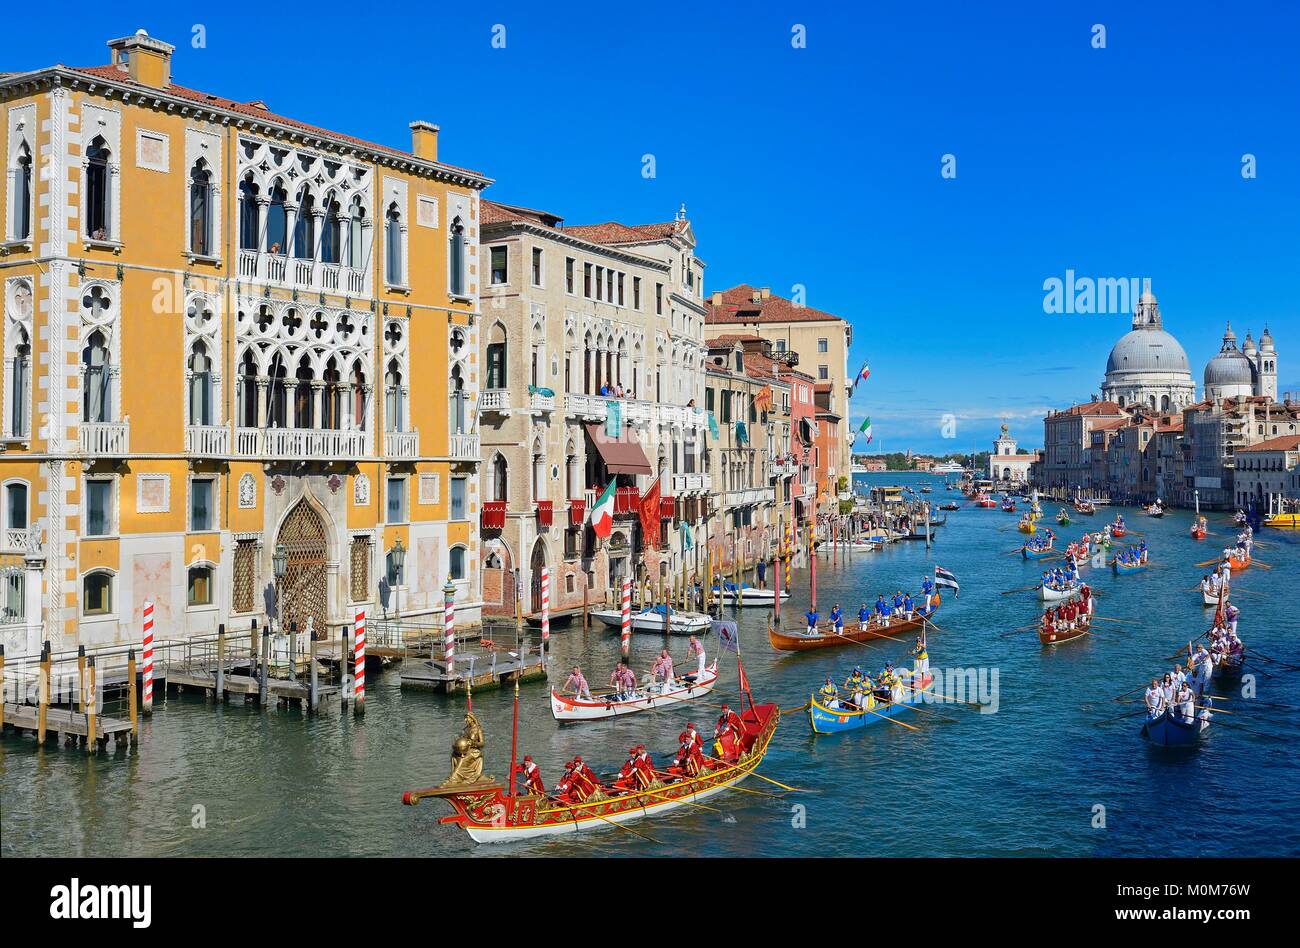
(227, 332)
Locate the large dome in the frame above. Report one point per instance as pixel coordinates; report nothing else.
(1148, 350)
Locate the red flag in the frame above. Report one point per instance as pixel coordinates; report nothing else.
(744, 680)
(650, 516)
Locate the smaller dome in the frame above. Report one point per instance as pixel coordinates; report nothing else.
(1266, 340)
(1229, 367)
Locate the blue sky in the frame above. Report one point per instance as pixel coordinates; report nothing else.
(821, 166)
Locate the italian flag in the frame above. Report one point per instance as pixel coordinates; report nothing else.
(602, 515)
(866, 428)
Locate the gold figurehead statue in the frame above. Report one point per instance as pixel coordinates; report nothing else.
(467, 755)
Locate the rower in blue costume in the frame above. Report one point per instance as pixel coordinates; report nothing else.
(837, 617)
(880, 604)
(812, 616)
(864, 616)
(885, 612)
(908, 606)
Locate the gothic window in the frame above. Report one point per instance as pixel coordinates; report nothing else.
(278, 406)
(250, 228)
(331, 237)
(20, 367)
(248, 391)
(332, 398)
(244, 578)
(358, 398)
(496, 357)
(457, 401)
(277, 221)
(98, 186)
(356, 236)
(200, 210)
(200, 366)
(393, 396)
(539, 472)
(96, 399)
(393, 246)
(456, 278)
(304, 228)
(21, 191)
(360, 573)
(302, 395)
(500, 479)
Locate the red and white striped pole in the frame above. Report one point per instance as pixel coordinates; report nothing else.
(146, 668)
(449, 627)
(359, 660)
(625, 636)
(546, 607)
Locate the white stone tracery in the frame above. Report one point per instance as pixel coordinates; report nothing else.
(17, 338)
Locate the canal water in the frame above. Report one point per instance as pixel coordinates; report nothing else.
(1040, 777)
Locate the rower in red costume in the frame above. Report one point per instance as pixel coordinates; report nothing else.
(532, 776)
(634, 774)
(645, 767)
(583, 780)
(692, 735)
(689, 761)
(728, 733)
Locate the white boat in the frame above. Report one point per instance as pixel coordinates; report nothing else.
(1211, 599)
(659, 695)
(1048, 594)
(750, 596)
(652, 620)
(947, 467)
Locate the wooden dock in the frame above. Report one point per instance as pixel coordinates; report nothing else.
(432, 674)
(71, 727)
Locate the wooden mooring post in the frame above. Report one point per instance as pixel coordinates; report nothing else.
(221, 664)
(81, 679)
(2, 687)
(343, 667)
(313, 703)
(264, 693)
(252, 650)
(132, 711)
(88, 703)
(43, 695)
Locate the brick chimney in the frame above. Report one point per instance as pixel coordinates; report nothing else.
(424, 140)
(146, 60)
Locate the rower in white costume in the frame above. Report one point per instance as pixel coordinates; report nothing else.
(1155, 700)
(696, 648)
(1186, 705)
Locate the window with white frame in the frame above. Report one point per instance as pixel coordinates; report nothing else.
(18, 359)
(17, 511)
(203, 495)
(537, 267)
(20, 192)
(100, 518)
(457, 276)
(498, 266)
(459, 493)
(97, 209)
(201, 236)
(97, 593)
(396, 500)
(394, 249)
(456, 562)
(198, 585)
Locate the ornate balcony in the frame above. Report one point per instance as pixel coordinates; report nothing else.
(207, 441)
(402, 445)
(539, 402)
(299, 443)
(463, 447)
(589, 407)
(495, 399)
(20, 540)
(105, 438)
(691, 483)
(294, 273)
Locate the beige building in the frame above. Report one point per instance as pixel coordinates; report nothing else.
(820, 339)
(592, 346)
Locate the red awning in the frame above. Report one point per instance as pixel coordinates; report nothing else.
(621, 457)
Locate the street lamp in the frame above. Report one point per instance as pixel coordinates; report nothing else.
(398, 553)
(280, 565)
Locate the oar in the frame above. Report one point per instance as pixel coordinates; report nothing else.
(1275, 661)
(661, 796)
(802, 707)
(626, 829)
(754, 773)
(759, 793)
(1126, 714)
(888, 718)
(1026, 589)
(1118, 621)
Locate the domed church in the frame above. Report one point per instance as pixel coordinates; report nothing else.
(1234, 373)
(1148, 366)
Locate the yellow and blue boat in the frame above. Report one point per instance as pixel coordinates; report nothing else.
(827, 720)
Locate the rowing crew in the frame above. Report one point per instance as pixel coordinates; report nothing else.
(901, 608)
(1174, 693)
(1133, 556)
(623, 680)
(1069, 615)
(1044, 542)
(579, 783)
(1225, 646)
(1215, 583)
(1061, 579)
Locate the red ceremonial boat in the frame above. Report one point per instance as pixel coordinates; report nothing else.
(1048, 634)
(492, 811)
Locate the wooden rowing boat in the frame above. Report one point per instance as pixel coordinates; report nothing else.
(1170, 730)
(1239, 563)
(880, 705)
(1047, 594)
(1123, 569)
(1211, 599)
(798, 640)
(1230, 666)
(1084, 508)
(1063, 517)
(952, 505)
(685, 688)
(486, 810)
(1050, 636)
(1040, 554)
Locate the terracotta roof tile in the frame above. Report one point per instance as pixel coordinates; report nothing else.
(612, 232)
(1282, 443)
(116, 74)
(738, 306)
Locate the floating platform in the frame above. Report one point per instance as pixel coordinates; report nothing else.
(480, 673)
(72, 727)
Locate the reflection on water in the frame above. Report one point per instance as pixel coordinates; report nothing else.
(236, 781)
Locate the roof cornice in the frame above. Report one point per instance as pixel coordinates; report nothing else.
(63, 77)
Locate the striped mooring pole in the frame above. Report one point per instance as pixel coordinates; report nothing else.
(359, 661)
(546, 608)
(449, 627)
(625, 634)
(146, 668)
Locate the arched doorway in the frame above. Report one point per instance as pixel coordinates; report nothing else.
(304, 590)
(535, 567)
